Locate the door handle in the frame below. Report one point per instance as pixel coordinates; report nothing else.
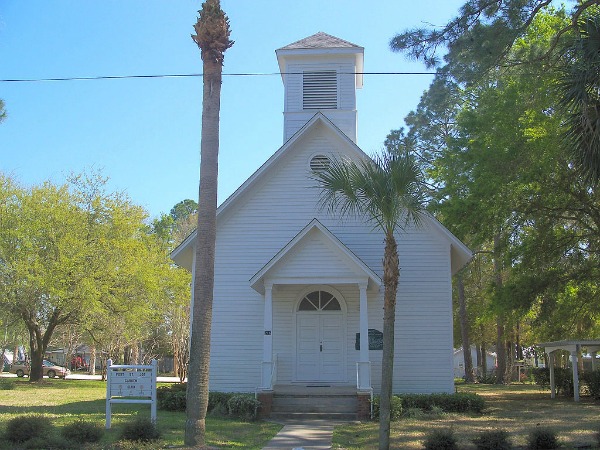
(321, 346)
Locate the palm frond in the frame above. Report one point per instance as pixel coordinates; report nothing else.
(579, 87)
(387, 190)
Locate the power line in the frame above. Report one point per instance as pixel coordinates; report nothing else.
(189, 75)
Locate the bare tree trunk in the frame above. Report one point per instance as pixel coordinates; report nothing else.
(464, 330)
(38, 342)
(391, 276)
(135, 354)
(212, 37)
(510, 362)
(92, 366)
(500, 318)
(483, 360)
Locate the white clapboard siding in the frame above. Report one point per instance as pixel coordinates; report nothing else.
(264, 219)
(343, 116)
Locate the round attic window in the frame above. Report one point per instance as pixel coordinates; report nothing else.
(319, 163)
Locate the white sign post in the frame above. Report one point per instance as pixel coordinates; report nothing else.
(130, 384)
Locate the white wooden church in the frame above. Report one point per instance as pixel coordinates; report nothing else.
(298, 297)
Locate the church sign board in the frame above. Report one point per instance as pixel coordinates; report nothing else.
(130, 384)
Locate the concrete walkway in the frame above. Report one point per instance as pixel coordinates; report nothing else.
(303, 435)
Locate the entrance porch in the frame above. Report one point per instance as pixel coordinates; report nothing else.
(316, 314)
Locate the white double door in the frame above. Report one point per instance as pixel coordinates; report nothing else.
(320, 346)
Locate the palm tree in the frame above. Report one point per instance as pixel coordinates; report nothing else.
(212, 37)
(389, 192)
(579, 87)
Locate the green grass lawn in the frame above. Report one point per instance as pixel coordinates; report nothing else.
(517, 408)
(64, 401)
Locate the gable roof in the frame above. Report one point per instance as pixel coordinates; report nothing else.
(320, 40)
(460, 254)
(182, 255)
(354, 268)
(322, 44)
(318, 119)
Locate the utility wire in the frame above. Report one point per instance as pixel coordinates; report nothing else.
(190, 75)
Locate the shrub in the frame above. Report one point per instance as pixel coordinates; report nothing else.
(440, 440)
(592, 381)
(395, 408)
(436, 411)
(52, 441)
(6, 384)
(414, 413)
(243, 406)
(563, 379)
(493, 440)
(219, 398)
(81, 431)
(220, 410)
(431, 403)
(172, 397)
(460, 402)
(141, 429)
(542, 438)
(486, 378)
(23, 428)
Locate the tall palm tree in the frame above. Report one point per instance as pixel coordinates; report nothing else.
(212, 37)
(389, 192)
(579, 87)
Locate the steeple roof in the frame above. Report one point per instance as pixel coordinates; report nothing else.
(321, 44)
(320, 40)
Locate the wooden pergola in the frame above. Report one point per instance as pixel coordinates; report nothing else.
(574, 348)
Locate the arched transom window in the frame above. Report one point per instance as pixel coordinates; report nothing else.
(319, 301)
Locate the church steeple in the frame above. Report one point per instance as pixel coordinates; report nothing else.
(320, 73)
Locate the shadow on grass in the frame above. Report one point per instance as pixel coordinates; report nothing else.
(518, 409)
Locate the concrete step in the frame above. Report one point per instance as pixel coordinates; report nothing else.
(315, 404)
(300, 416)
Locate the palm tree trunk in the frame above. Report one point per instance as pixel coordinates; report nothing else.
(391, 276)
(198, 377)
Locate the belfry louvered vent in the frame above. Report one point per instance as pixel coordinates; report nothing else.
(319, 163)
(319, 90)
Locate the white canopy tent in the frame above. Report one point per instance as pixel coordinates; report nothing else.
(574, 348)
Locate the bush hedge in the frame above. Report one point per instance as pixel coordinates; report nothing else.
(542, 439)
(245, 406)
(81, 431)
(441, 440)
(563, 379)
(493, 440)
(396, 408)
(140, 429)
(460, 402)
(23, 428)
(592, 381)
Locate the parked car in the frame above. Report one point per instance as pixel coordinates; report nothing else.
(22, 368)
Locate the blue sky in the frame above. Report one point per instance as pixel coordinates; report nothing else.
(144, 134)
